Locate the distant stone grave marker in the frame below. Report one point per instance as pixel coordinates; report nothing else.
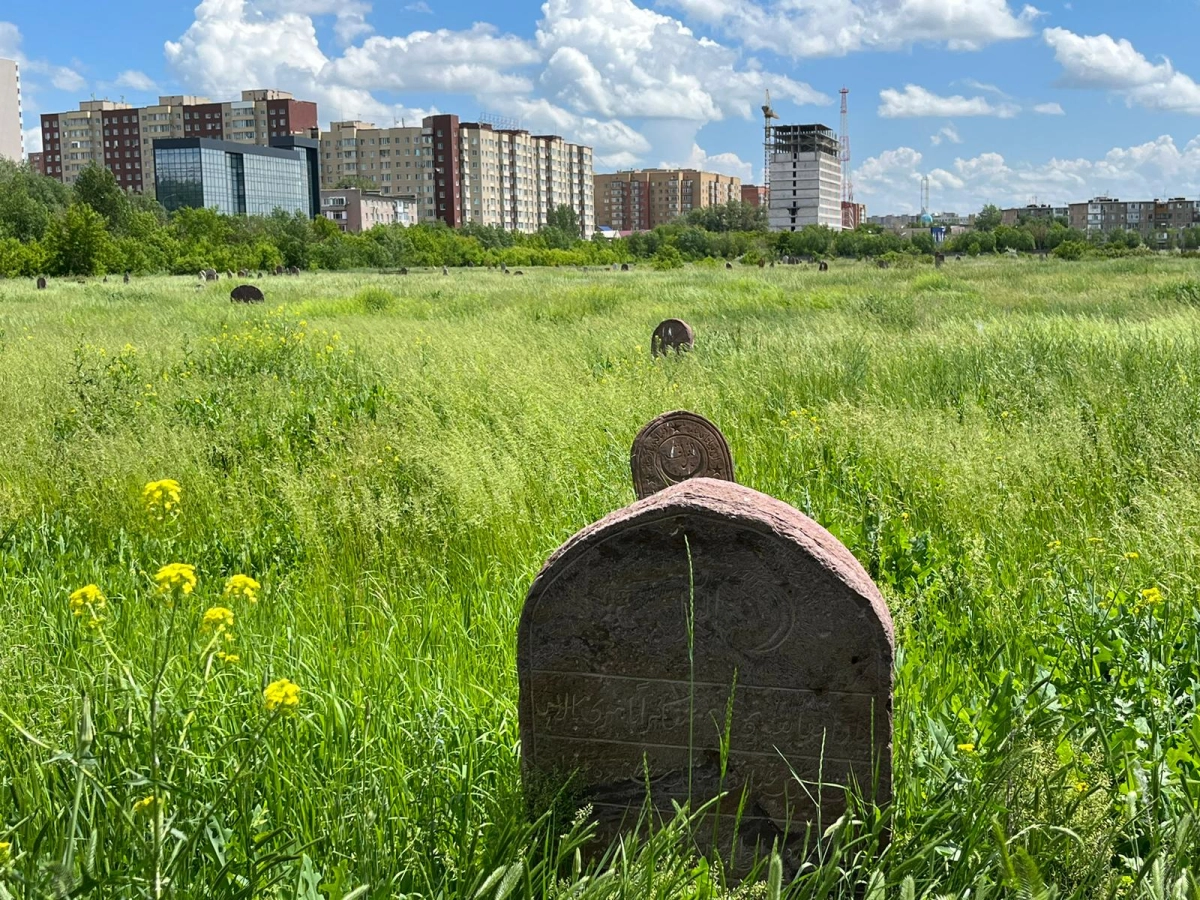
(246, 293)
(624, 267)
(677, 446)
(672, 334)
(127, 278)
(41, 283)
(703, 604)
(823, 266)
(939, 259)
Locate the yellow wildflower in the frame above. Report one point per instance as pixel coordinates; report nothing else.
(1152, 596)
(88, 599)
(5, 852)
(1133, 554)
(966, 748)
(228, 657)
(281, 694)
(1054, 545)
(1095, 540)
(176, 575)
(243, 586)
(1081, 787)
(217, 619)
(147, 806)
(162, 497)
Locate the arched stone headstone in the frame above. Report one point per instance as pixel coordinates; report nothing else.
(41, 283)
(624, 267)
(677, 446)
(728, 265)
(246, 293)
(672, 334)
(706, 640)
(823, 267)
(279, 270)
(939, 260)
(127, 278)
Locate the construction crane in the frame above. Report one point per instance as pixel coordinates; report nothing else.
(768, 115)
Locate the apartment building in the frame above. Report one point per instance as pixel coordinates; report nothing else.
(641, 199)
(465, 172)
(806, 178)
(1033, 213)
(35, 163)
(12, 138)
(121, 137)
(754, 194)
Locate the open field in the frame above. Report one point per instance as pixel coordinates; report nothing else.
(1011, 447)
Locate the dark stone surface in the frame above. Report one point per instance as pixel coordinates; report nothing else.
(823, 267)
(672, 334)
(791, 644)
(246, 293)
(41, 283)
(677, 446)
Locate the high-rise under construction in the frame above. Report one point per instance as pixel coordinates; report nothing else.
(805, 177)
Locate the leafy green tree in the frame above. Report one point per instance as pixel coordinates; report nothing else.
(97, 187)
(565, 219)
(355, 181)
(989, 218)
(732, 216)
(78, 243)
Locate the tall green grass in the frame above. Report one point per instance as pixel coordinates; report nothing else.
(1012, 449)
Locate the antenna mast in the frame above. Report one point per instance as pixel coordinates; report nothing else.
(924, 194)
(849, 210)
(768, 115)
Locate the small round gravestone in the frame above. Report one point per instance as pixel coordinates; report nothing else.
(677, 446)
(41, 283)
(823, 267)
(672, 334)
(246, 293)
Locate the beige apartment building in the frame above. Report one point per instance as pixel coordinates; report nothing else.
(640, 199)
(12, 139)
(465, 172)
(121, 137)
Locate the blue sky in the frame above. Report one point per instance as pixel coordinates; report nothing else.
(994, 101)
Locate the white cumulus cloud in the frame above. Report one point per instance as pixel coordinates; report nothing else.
(1050, 109)
(808, 28)
(915, 101)
(720, 163)
(135, 80)
(1106, 63)
(1140, 172)
(946, 133)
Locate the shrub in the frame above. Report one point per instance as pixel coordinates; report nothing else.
(375, 299)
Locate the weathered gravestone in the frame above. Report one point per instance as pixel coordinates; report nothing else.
(704, 617)
(823, 266)
(246, 293)
(672, 334)
(939, 259)
(677, 446)
(41, 283)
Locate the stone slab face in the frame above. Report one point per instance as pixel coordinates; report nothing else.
(792, 644)
(677, 446)
(672, 334)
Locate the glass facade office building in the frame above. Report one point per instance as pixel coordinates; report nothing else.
(235, 179)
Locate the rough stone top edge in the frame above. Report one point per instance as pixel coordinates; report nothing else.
(754, 509)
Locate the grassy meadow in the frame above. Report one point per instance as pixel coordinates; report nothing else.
(1011, 447)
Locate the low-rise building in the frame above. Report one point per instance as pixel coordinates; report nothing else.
(237, 179)
(355, 210)
(1034, 212)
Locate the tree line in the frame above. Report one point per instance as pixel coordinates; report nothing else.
(94, 227)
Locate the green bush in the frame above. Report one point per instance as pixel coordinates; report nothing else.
(375, 299)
